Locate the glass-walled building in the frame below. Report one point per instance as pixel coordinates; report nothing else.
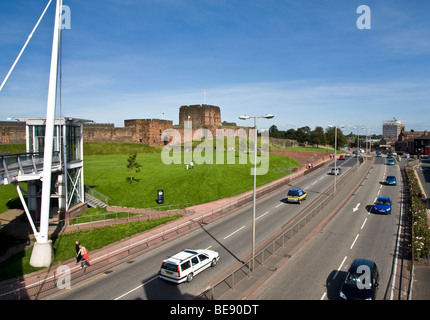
(67, 161)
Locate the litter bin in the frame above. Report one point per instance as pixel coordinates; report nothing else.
(160, 196)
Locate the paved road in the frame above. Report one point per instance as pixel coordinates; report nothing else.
(231, 236)
(315, 272)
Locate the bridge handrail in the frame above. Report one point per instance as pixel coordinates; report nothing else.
(25, 160)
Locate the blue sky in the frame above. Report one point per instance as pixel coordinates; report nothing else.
(306, 62)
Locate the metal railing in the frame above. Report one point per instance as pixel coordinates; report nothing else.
(12, 165)
(97, 195)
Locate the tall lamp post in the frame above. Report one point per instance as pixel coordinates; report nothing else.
(267, 116)
(335, 154)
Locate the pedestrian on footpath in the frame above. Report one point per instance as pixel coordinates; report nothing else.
(85, 261)
(78, 254)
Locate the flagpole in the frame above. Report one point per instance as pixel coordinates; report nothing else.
(204, 97)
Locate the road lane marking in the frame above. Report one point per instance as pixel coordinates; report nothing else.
(123, 295)
(352, 245)
(262, 215)
(356, 207)
(234, 232)
(279, 205)
(340, 267)
(362, 226)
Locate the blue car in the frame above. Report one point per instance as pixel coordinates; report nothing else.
(382, 205)
(391, 161)
(296, 195)
(391, 180)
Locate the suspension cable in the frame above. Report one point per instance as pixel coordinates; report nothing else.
(25, 45)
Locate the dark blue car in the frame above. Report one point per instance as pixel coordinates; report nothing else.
(361, 281)
(382, 205)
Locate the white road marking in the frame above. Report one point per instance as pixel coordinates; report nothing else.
(352, 245)
(234, 232)
(123, 295)
(362, 226)
(262, 215)
(340, 267)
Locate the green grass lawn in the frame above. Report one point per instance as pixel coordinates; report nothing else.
(206, 182)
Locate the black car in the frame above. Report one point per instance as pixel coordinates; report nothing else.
(361, 282)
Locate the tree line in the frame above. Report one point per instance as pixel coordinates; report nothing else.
(317, 137)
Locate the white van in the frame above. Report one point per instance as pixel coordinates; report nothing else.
(336, 171)
(184, 265)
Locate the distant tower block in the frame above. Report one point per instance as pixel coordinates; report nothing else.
(200, 115)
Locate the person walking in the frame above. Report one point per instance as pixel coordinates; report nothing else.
(78, 254)
(85, 261)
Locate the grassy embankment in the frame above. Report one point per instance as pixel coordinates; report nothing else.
(105, 170)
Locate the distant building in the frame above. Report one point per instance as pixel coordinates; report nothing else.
(391, 129)
(413, 142)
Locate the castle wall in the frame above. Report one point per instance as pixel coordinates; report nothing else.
(148, 131)
(145, 131)
(108, 134)
(198, 132)
(12, 133)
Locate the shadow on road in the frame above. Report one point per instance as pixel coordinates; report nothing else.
(334, 284)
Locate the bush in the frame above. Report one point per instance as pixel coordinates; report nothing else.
(420, 228)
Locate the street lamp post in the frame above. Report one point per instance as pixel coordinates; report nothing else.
(335, 154)
(267, 116)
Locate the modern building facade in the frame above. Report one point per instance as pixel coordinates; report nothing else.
(391, 129)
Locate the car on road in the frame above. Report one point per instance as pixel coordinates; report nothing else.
(391, 180)
(342, 157)
(361, 281)
(183, 266)
(378, 154)
(336, 171)
(296, 195)
(382, 205)
(391, 161)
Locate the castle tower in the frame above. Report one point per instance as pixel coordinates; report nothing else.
(200, 115)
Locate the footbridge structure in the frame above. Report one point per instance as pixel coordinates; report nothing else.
(67, 174)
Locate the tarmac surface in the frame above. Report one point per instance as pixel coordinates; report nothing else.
(21, 288)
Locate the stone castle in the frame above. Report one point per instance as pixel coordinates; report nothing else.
(145, 131)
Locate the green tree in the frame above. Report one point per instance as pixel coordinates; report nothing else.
(317, 137)
(274, 132)
(290, 134)
(133, 165)
(302, 134)
(330, 134)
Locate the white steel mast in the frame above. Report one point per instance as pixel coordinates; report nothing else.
(42, 255)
